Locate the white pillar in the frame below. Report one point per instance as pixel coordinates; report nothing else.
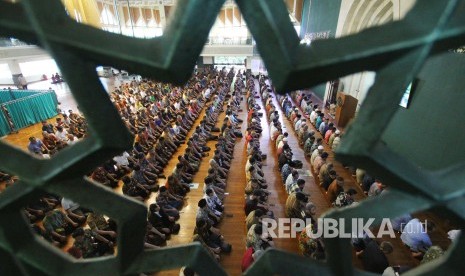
(162, 17)
(325, 96)
(248, 63)
(14, 67)
(121, 19)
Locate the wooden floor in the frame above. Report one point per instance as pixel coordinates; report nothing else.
(233, 227)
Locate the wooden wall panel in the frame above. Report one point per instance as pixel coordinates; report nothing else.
(111, 9)
(229, 16)
(222, 17)
(167, 11)
(100, 7)
(156, 14)
(147, 13)
(237, 16)
(290, 5)
(134, 14)
(298, 10)
(125, 15)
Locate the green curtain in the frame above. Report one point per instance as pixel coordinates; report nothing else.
(4, 128)
(11, 95)
(19, 94)
(33, 109)
(5, 96)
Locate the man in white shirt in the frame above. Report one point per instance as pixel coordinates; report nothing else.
(280, 138)
(122, 160)
(213, 202)
(206, 93)
(274, 115)
(72, 210)
(313, 116)
(315, 153)
(281, 145)
(62, 134)
(303, 105)
(299, 124)
(291, 179)
(273, 132)
(177, 105)
(415, 235)
(249, 163)
(72, 140)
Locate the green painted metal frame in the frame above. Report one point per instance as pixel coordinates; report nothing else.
(396, 51)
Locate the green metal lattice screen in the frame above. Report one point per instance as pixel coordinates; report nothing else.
(396, 51)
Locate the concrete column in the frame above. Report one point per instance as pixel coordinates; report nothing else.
(15, 70)
(119, 14)
(121, 19)
(327, 88)
(14, 67)
(248, 63)
(162, 17)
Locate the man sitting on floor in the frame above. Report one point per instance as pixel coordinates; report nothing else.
(415, 236)
(295, 204)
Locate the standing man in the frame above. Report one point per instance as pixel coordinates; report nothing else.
(22, 81)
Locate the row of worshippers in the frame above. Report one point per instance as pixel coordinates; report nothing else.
(310, 246)
(331, 136)
(53, 224)
(257, 206)
(6, 180)
(370, 185)
(61, 221)
(417, 240)
(158, 131)
(313, 148)
(297, 203)
(413, 232)
(374, 260)
(211, 209)
(256, 188)
(170, 198)
(373, 255)
(65, 132)
(313, 247)
(160, 223)
(149, 110)
(333, 184)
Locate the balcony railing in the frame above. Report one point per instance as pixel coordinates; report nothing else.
(11, 42)
(229, 41)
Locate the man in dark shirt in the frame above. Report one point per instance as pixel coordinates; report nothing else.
(47, 127)
(373, 256)
(284, 159)
(367, 182)
(252, 203)
(161, 221)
